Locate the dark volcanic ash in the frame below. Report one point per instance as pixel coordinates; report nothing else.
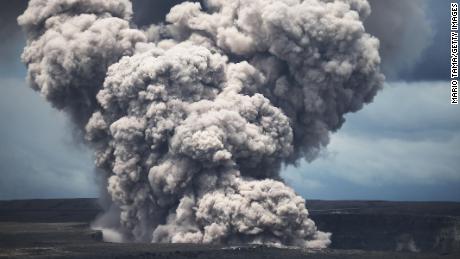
(192, 119)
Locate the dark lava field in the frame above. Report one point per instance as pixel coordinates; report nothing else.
(59, 228)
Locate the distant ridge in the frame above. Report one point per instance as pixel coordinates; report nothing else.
(86, 209)
(364, 225)
(50, 210)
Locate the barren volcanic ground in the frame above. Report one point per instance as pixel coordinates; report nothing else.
(361, 229)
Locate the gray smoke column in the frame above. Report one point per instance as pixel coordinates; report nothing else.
(404, 30)
(193, 119)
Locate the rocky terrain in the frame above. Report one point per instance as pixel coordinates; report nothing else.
(361, 229)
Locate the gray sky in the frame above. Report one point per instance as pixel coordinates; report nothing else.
(404, 146)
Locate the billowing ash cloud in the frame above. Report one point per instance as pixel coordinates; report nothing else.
(70, 44)
(404, 31)
(192, 119)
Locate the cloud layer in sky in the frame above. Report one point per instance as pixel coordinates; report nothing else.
(406, 141)
(38, 157)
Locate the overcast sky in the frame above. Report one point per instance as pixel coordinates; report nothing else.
(403, 146)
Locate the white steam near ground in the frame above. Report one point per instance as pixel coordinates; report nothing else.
(192, 120)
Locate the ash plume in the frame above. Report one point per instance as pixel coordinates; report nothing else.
(404, 30)
(192, 119)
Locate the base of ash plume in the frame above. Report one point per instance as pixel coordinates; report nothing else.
(361, 229)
